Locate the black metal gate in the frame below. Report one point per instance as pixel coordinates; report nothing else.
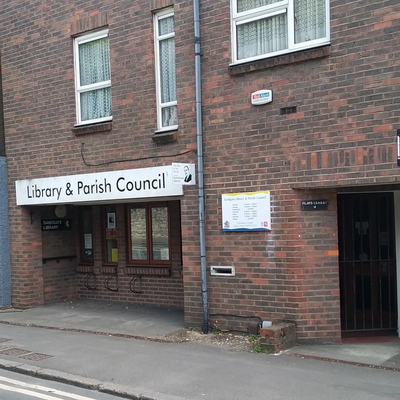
(367, 262)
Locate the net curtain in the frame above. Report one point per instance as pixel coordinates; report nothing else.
(167, 72)
(310, 20)
(94, 65)
(270, 34)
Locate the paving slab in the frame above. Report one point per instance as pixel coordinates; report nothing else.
(378, 354)
(151, 322)
(100, 316)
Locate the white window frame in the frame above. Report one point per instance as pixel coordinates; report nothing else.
(281, 7)
(87, 88)
(157, 38)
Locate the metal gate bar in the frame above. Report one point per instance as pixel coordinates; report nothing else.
(367, 283)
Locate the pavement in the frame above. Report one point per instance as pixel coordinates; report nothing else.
(89, 316)
(384, 355)
(124, 349)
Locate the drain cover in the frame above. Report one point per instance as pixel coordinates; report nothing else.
(35, 356)
(14, 352)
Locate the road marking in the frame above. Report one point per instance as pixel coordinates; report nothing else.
(42, 388)
(28, 392)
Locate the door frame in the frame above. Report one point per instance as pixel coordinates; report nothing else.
(396, 199)
(396, 210)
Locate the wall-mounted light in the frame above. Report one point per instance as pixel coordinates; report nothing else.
(60, 211)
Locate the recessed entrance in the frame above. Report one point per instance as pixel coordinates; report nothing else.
(367, 262)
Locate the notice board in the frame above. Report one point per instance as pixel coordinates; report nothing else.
(246, 211)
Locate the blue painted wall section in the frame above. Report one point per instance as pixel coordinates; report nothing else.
(5, 262)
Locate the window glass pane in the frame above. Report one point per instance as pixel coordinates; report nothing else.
(96, 104)
(167, 70)
(112, 250)
(94, 62)
(111, 235)
(169, 116)
(310, 20)
(87, 221)
(138, 234)
(159, 225)
(262, 37)
(166, 25)
(86, 218)
(244, 5)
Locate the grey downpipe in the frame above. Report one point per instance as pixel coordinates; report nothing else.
(5, 262)
(200, 173)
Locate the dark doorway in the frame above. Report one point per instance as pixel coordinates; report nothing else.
(367, 262)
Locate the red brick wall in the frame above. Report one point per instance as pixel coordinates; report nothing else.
(26, 257)
(343, 134)
(39, 102)
(59, 280)
(58, 273)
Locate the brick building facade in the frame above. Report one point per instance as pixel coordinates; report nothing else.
(324, 150)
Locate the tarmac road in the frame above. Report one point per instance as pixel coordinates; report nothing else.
(165, 371)
(15, 386)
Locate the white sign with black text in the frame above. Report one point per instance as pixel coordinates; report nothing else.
(183, 174)
(101, 186)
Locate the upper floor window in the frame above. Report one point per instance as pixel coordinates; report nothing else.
(267, 28)
(92, 78)
(164, 35)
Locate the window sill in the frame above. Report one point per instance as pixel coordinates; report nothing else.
(164, 137)
(109, 269)
(95, 128)
(107, 265)
(84, 268)
(285, 59)
(149, 270)
(86, 263)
